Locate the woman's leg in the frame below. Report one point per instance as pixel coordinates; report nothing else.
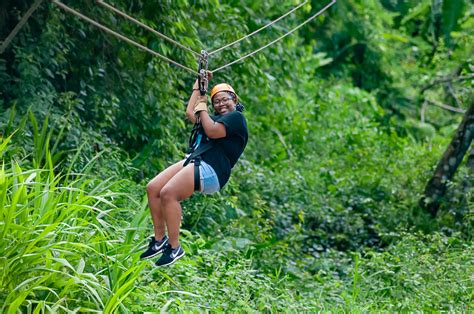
(178, 188)
(153, 189)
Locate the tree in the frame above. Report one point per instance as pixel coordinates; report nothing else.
(447, 166)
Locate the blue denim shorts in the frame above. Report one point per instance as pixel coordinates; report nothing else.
(209, 180)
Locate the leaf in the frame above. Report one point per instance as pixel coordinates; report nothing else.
(452, 12)
(396, 37)
(421, 9)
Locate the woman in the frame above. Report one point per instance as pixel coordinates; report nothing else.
(224, 136)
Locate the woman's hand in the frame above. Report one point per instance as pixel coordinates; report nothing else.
(196, 83)
(201, 104)
(193, 100)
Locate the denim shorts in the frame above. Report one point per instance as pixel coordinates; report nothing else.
(209, 180)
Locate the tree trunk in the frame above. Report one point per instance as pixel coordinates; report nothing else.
(447, 166)
(470, 161)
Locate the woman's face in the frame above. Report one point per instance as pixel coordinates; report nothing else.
(223, 103)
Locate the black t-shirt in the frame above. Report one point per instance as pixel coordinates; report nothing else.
(226, 151)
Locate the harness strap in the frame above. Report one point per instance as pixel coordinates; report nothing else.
(198, 152)
(195, 157)
(194, 137)
(197, 177)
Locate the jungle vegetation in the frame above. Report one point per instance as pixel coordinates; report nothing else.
(342, 201)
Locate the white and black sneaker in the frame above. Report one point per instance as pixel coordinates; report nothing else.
(155, 247)
(170, 256)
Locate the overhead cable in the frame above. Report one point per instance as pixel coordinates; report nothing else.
(20, 24)
(278, 39)
(258, 30)
(108, 6)
(120, 36)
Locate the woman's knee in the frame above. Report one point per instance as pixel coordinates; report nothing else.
(168, 194)
(153, 189)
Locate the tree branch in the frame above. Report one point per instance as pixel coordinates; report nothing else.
(447, 107)
(445, 80)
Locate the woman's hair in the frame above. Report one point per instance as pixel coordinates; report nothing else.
(239, 107)
(234, 97)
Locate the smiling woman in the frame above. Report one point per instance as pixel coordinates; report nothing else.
(217, 143)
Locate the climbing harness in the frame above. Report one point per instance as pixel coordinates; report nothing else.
(203, 82)
(198, 143)
(199, 56)
(195, 157)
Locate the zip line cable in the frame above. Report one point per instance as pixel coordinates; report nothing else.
(258, 30)
(108, 6)
(278, 39)
(20, 24)
(108, 30)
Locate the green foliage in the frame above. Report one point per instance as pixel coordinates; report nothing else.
(415, 274)
(321, 213)
(76, 246)
(60, 240)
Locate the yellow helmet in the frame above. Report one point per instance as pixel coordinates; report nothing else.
(223, 87)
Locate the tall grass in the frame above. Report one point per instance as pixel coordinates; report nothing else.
(60, 248)
(70, 243)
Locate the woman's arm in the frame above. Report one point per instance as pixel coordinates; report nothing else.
(212, 129)
(191, 102)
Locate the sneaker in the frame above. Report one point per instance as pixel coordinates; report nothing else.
(154, 248)
(170, 255)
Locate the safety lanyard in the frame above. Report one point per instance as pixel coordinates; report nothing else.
(203, 82)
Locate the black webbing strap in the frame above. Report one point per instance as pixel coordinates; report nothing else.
(195, 157)
(198, 152)
(197, 177)
(193, 137)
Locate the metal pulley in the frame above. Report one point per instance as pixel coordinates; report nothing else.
(202, 70)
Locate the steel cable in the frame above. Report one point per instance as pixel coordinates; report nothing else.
(258, 30)
(104, 28)
(17, 28)
(108, 30)
(278, 39)
(108, 6)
